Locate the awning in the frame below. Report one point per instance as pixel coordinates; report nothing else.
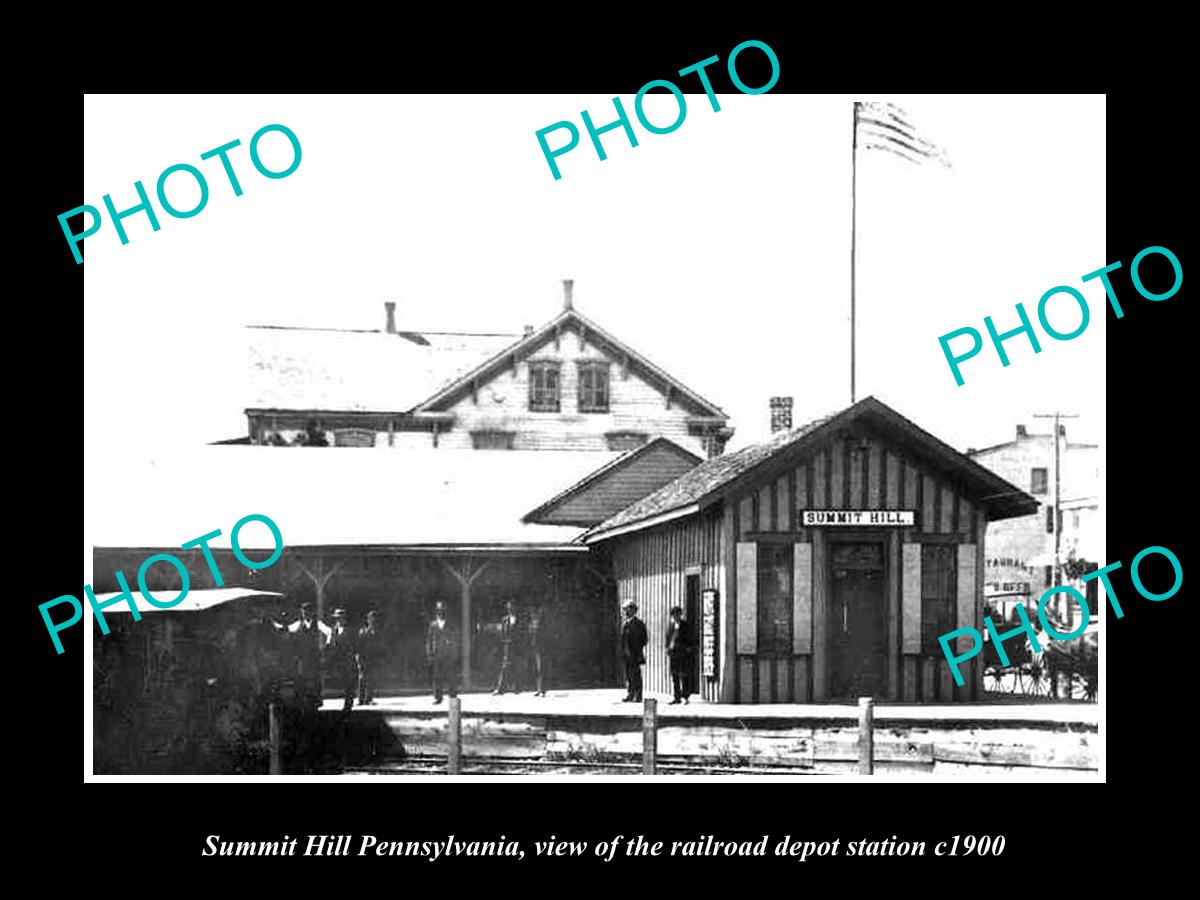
(197, 599)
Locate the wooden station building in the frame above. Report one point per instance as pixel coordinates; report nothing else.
(820, 565)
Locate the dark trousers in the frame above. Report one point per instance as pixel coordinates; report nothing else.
(443, 677)
(633, 678)
(504, 682)
(344, 681)
(681, 680)
(366, 685)
(535, 663)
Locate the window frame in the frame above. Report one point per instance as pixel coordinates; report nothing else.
(1033, 480)
(933, 626)
(538, 391)
(586, 397)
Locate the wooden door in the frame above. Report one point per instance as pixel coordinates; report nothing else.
(856, 624)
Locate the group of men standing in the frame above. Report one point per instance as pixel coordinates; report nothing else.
(336, 655)
(679, 653)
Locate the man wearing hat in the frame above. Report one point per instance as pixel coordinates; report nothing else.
(309, 638)
(339, 659)
(507, 629)
(441, 651)
(679, 652)
(633, 646)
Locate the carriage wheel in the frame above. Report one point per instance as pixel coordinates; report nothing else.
(1035, 682)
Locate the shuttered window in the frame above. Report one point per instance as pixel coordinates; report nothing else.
(939, 595)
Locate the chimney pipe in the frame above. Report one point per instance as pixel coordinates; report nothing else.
(781, 414)
(568, 292)
(1021, 431)
(390, 306)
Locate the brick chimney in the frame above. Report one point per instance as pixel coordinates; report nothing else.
(781, 414)
(1021, 431)
(528, 330)
(568, 293)
(390, 306)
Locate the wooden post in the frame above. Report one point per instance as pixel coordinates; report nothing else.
(866, 736)
(454, 736)
(276, 739)
(649, 736)
(465, 576)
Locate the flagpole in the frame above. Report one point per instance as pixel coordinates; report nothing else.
(853, 230)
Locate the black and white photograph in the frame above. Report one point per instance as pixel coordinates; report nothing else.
(530, 436)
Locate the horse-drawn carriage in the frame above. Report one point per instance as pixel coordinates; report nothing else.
(1063, 670)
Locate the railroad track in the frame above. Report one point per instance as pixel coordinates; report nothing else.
(498, 765)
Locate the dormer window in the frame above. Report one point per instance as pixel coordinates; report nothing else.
(544, 386)
(593, 386)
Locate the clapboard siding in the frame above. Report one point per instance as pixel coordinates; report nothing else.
(650, 568)
(502, 404)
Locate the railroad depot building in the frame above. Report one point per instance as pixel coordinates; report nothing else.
(820, 565)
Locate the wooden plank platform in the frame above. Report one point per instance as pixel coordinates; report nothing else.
(592, 726)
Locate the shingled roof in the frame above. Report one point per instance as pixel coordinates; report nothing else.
(706, 483)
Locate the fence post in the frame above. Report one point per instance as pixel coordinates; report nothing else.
(866, 736)
(275, 738)
(454, 736)
(649, 736)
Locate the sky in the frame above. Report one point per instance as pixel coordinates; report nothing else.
(721, 251)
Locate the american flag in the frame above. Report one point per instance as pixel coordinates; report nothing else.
(887, 127)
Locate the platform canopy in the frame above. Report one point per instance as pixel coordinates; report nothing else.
(197, 599)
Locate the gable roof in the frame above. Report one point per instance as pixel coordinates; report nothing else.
(714, 478)
(624, 462)
(369, 371)
(571, 319)
(336, 370)
(424, 499)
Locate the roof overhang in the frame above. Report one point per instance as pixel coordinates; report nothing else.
(604, 534)
(196, 600)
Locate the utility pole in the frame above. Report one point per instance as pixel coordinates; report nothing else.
(1056, 519)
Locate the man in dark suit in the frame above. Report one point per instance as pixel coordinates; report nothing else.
(441, 646)
(507, 629)
(339, 659)
(369, 652)
(633, 647)
(679, 652)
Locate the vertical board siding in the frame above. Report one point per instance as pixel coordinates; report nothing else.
(651, 569)
(764, 509)
(894, 484)
(820, 613)
(967, 611)
(747, 597)
(783, 504)
(745, 516)
(929, 521)
(854, 462)
(802, 598)
(875, 477)
(912, 598)
(895, 580)
(819, 480)
(837, 476)
(949, 508)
